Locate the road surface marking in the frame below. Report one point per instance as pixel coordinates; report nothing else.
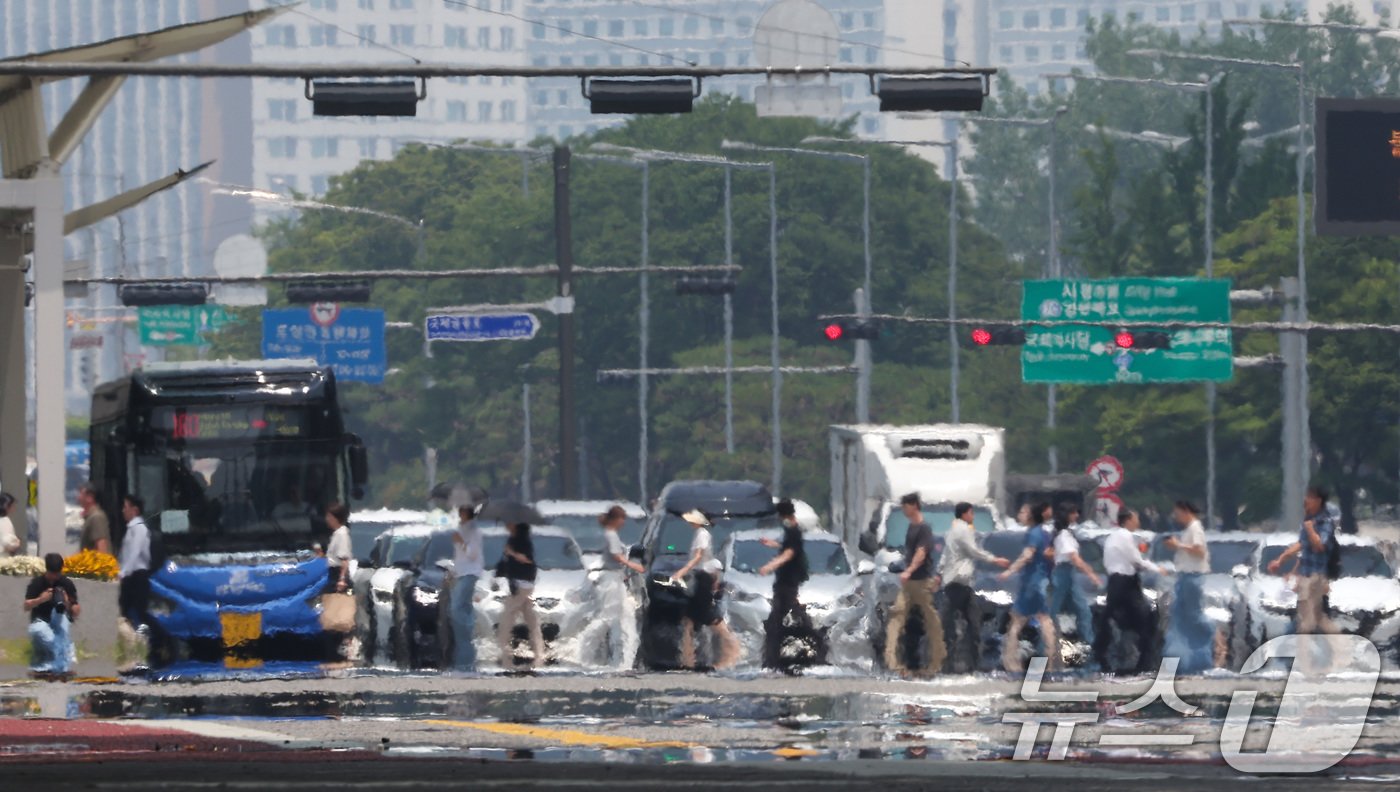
(560, 736)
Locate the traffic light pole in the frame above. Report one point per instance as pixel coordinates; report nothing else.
(728, 312)
(862, 363)
(564, 258)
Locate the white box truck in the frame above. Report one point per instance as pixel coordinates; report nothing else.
(873, 466)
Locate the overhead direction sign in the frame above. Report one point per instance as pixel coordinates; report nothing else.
(1087, 350)
(482, 327)
(351, 342)
(168, 325)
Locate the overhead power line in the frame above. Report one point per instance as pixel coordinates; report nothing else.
(549, 271)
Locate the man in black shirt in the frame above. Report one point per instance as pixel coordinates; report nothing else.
(916, 587)
(789, 568)
(52, 602)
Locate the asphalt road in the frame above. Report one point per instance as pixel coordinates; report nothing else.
(355, 729)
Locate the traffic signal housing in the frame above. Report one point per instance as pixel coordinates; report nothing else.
(852, 330)
(998, 336)
(1125, 339)
(707, 286)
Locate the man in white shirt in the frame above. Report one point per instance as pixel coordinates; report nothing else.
(1190, 634)
(468, 567)
(135, 589)
(1125, 605)
(956, 570)
(618, 609)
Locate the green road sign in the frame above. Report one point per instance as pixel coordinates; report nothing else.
(1085, 351)
(169, 325)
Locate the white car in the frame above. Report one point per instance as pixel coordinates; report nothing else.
(580, 517)
(1364, 600)
(565, 599)
(833, 595)
(375, 581)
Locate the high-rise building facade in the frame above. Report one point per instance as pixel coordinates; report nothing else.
(151, 128)
(296, 151)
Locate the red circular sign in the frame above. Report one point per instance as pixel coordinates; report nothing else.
(1107, 472)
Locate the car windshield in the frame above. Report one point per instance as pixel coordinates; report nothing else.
(551, 552)
(1225, 556)
(403, 548)
(676, 534)
(823, 557)
(589, 534)
(939, 518)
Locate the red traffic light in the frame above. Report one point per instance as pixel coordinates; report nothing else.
(1124, 340)
(834, 331)
(981, 337)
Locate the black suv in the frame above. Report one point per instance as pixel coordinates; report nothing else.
(665, 547)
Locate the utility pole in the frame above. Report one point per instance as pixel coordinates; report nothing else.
(564, 259)
(1295, 448)
(862, 363)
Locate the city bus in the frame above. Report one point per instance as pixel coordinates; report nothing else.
(236, 463)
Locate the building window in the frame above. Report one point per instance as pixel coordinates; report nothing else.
(614, 59)
(590, 60)
(869, 19)
(566, 60)
(1033, 89)
(848, 20)
(743, 57)
(1081, 53)
(366, 34)
(872, 125)
(1030, 20)
(848, 91)
(1032, 54)
(563, 97)
(483, 38)
(282, 147)
(1164, 14)
(508, 5)
(616, 29)
(454, 36)
(401, 35)
(691, 26)
(872, 55)
(284, 183)
(590, 27)
(366, 5)
(281, 36)
(320, 183)
(401, 5)
(1057, 52)
(328, 5)
(566, 30)
(639, 27)
(643, 60)
(537, 31)
(668, 27)
(322, 36)
(507, 39)
(282, 109)
(1081, 19)
(1241, 9)
(541, 98)
(716, 58)
(1266, 9)
(508, 110)
(325, 147)
(1214, 11)
(1058, 17)
(1188, 13)
(483, 111)
(847, 55)
(369, 147)
(1007, 55)
(717, 26)
(456, 111)
(743, 26)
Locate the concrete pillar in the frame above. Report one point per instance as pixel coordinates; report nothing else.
(50, 359)
(14, 433)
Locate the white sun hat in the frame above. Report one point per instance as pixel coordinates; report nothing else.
(695, 517)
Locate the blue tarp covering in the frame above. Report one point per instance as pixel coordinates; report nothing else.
(282, 593)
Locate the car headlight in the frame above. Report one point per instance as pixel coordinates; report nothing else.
(425, 596)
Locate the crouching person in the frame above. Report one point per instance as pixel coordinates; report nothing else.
(52, 603)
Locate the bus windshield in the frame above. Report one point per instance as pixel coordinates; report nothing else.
(239, 496)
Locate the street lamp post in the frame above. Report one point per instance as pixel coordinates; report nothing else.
(1053, 253)
(1294, 345)
(1208, 243)
(863, 350)
(952, 178)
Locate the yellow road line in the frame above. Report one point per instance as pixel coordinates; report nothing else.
(559, 736)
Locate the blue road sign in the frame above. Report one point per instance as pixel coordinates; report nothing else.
(482, 327)
(351, 341)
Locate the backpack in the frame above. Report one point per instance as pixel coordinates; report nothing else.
(1334, 556)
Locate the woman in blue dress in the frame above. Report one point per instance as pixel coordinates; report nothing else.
(1032, 594)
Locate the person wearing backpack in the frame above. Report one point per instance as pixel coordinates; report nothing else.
(1319, 559)
(789, 569)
